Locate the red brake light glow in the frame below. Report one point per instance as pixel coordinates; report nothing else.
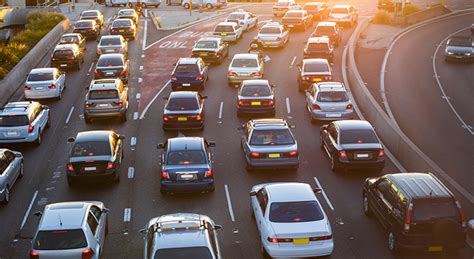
(173, 77)
(30, 128)
(342, 154)
(316, 107)
(255, 154)
(199, 77)
(230, 73)
(27, 87)
(110, 165)
(320, 238)
(165, 175)
(293, 153)
(349, 107)
(34, 255)
(461, 214)
(70, 168)
(406, 225)
(208, 174)
(381, 153)
(88, 253)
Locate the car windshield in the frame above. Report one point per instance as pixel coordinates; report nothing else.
(103, 94)
(14, 120)
(294, 14)
(358, 137)
(235, 16)
(283, 4)
(318, 47)
(83, 24)
(126, 13)
(186, 157)
(429, 209)
(182, 104)
(121, 23)
(270, 30)
(332, 96)
(244, 62)
(255, 91)
(68, 39)
(294, 212)
(272, 137)
(109, 61)
(206, 44)
(224, 28)
(316, 67)
(60, 239)
(63, 53)
(339, 10)
(35, 77)
(186, 69)
(110, 41)
(183, 253)
(91, 148)
(461, 42)
(89, 14)
(325, 30)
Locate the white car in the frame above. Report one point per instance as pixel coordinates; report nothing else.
(343, 14)
(273, 34)
(43, 83)
(244, 19)
(283, 6)
(290, 220)
(244, 67)
(228, 31)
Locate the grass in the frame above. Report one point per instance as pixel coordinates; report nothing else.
(382, 17)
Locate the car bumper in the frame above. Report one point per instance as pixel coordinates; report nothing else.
(208, 58)
(89, 35)
(229, 38)
(104, 113)
(320, 115)
(124, 34)
(43, 95)
(205, 185)
(92, 176)
(29, 138)
(294, 25)
(123, 78)
(265, 163)
(255, 110)
(376, 164)
(60, 65)
(240, 79)
(459, 58)
(272, 44)
(183, 125)
(176, 85)
(424, 243)
(319, 249)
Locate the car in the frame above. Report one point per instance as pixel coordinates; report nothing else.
(209, 4)
(283, 6)
(87, 28)
(352, 144)
(23, 122)
(472, 28)
(319, 47)
(112, 66)
(329, 101)
(211, 50)
(291, 221)
(184, 110)
(106, 98)
(330, 30)
(112, 44)
(151, 3)
(343, 14)
(244, 67)
(74, 38)
(186, 165)
(297, 19)
(244, 19)
(256, 97)
(74, 229)
(313, 70)
(318, 10)
(269, 144)
(418, 211)
(42, 83)
(11, 169)
(124, 27)
(67, 56)
(459, 48)
(273, 34)
(189, 73)
(128, 14)
(94, 15)
(96, 154)
(228, 31)
(181, 235)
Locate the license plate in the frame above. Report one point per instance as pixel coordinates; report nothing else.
(121, 30)
(63, 65)
(316, 79)
(435, 248)
(268, 43)
(38, 88)
(333, 115)
(223, 34)
(203, 54)
(12, 133)
(300, 241)
(290, 26)
(109, 50)
(109, 73)
(104, 105)
(182, 118)
(186, 84)
(256, 103)
(273, 155)
(186, 176)
(362, 155)
(91, 168)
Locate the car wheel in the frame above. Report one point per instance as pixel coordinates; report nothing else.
(392, 243)
(48, 122)
(78, 65)
(335, 167)
(87, 119)
(209, 6)
(22, 171)
(60, 94)
(366, 205)
(321, 144)
(263, 251)
(6, 199)
(70, 181)
(116, 176)
(186, 6)
(38, 140)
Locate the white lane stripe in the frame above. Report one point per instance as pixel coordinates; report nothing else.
(133, 141)
(153, 100)
(127, 214)
(135, 115)
(293, 62)
(140, 80)
(288, 107)
(146, 13)
(90, 68)
(141, 68)
(69, 115)
(138, 96)
(144, 35)
(229, 203)
(220, 110)
(28, 210)
(131, 172)
(324, 193)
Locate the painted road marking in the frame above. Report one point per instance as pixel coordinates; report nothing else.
(28, 210)
(133, 141)
(144, 35)
(221, 107)
(69, 115)
(141, 68)
(140, 80)
(90, 68)
(138, 96)
(323, 193)
(229, 203)
(127, 214)
(154, 98)
(131, 172)
(135, 116)
(288, 107)
(293, 62)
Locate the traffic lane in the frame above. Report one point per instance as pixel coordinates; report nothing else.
(417, 102)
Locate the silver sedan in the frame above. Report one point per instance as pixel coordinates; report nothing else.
(44, 83)
(11, 169)
(328, 101)
(244, 67)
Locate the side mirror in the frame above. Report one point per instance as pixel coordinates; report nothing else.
(122, 137)
(252, 193)
(142, 231)
(317, 190)
(106, 211)
(204, 97)
(165, 97)
(38, 214)
(273, 85)
(17, 154)
(71, 140)
(44, 107)
(160, 146)
(217, 227)
(211, 144)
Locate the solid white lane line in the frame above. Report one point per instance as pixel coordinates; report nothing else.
(323, 193)
(229, 203)
(146, 13)
(140, 80)
(220, 110)
(293, 62)
(144, 35)
(154, 98)
(90, 68)
(141, 68)
(69, 115)
(127, 214)
(138, 96)
(131, 172)
(135, 115)
(28, 210)
(288, 107)
(133, 141)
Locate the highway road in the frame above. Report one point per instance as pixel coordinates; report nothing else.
(136, 199)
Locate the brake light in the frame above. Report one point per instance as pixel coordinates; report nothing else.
(165, 175)
(279, 39)
(349, 107)
(208, 174)
(230, 73)
(293, 153)
(96, 72)
(34, 255)
(30, 128)
(27, 87)
(271, 102)
(166, 118)
(255, 74)
(279, 240)
(215, 54)
(88, 253)
(199, 77)
(316, 107)
(52, 87)
(118, 103)
(381, 153)
(124, 71)
(70, 168)
(110, 165)
(90, 30)
(320, 238)
(173, 77)
(406, 225)
(255, 154)
(461, 214)
(342, 153)
(87, 105)
(198, 117)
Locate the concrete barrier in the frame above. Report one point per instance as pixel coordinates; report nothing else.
(15, 78)
(422, 15)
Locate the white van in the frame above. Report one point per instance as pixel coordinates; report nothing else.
(209, 4)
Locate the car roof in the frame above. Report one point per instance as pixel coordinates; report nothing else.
(326, 24)
(342, 6)
(188, 61)
(104, 84)
(288, 192)
(111, 55)
(256, 82)
(227, 23)
(245, 55)
(66, 47)
(272, 24)
(183, 94)
(420, 185)
(63, 215)
(331, 87)
(71, 34)
(353, 125)
(315, 61)
(319, 40)
(85, 20)
(94, 135)
(269, 123)
(43, 70)
(16, 108)
(185, 143)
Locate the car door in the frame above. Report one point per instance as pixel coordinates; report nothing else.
(330, 137)
(13, 166)
(383, 206)
(246, 139)
(101, 218)
(93, 225)
(310, 98)
(260, 207)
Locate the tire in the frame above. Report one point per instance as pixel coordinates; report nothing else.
(209, 6)
(38, 140)
(186, 6)
(107, 227)
(87, 119)
(321, 144)
(116, 177)
(70, 181)
(366, 205)
(48, 122)
(123, 117)
(392, 244)
(22, 172)
(335, 166)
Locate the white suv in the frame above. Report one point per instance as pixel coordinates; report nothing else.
(343, 14)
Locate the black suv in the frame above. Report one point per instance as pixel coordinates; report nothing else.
(418, 211)
(67, 56)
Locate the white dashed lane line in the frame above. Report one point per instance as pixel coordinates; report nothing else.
(288, 107)
(323, 193)
(90, 68)
(138, 96)
(28, 210)
(131, 172)
(135, 116)
(133, 141)
(229, 203)
(140, 80)
(293, 62)
(221, 107)
(69, 115)
(127, 214)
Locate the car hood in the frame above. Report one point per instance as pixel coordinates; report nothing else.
(459, 49)
(361, 146)
(301, 229)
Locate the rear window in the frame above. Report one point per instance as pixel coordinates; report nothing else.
(60, 239)
(244, 62)
(270, 30)
(13, 121)
(255, 91)
(89, 14)
(68, 39)
(339, 10)
(186, 69)
(236, 17)
(91, 148)
(325, 30)
(272, 137)
(224, 28)
(182, 104)
(121, 23)
(186, 157)
(332, 97)
(83, 24)
(283, 4)
(430, 209)
(358, 137)
(110, 41)
(461, 42)
(316, 67)
(318, 47)
(183, 253)
(302, 211)
(109, 61)
(206, 44)
(63, 53)
(126, 13)
(294, 14)
(34, 77)
(103, 94)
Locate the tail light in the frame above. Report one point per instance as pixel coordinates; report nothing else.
(27, 87)
(255, 154)
(173, 77)
(90, 30)
(293, 153)
(215, 54)
(271, 102)
(118, 103)
(208, 174)
(243, 103)
(96, 72)
(306, 78)
(230, 73)
(279, 39)
(30, 128)
(52, 87)
(123, 72)
(342, 153)
(279, 240)
(166, 118)
(110, 165)
(199, 77)
(321, 238)
(88, 105)
(165, 175)
(88, 253)
(407, 221)
(255, 74)
(70, 168)
(381, 153)
(316, 107)
(349, 107)
(461, 214)
(34, 255)
(197, 117)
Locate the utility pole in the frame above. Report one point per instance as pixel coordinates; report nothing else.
(190, 7)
